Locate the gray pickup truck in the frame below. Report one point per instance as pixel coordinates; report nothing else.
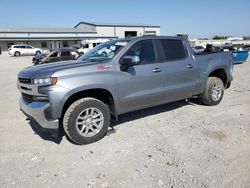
(116, 77)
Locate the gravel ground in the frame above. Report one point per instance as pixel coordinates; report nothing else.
(182, 144)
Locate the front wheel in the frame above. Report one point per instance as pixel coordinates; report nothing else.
(86, 120)
(214, 91)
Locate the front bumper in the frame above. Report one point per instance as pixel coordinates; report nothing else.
(36, 111)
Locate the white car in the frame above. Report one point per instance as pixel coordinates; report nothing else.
(23, 49)
(198, 49)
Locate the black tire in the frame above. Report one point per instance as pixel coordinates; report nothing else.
(207, 96)
(38, 52)
(73, 112)
(17, 53)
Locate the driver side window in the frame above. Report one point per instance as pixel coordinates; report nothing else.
(144, 50)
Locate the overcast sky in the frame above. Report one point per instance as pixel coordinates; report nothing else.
(197, 18)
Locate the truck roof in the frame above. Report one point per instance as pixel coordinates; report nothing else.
(153, 37)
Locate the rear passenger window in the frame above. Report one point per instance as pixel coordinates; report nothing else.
(65, 53)
(145, 50)
(172, 50)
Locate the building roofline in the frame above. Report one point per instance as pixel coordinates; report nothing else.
(53, 38)
(117, 25)
(49, 30)
(46, 32)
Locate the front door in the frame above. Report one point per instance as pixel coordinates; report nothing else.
(141, 85)
(54, 57)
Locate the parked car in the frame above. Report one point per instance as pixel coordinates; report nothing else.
(89, 45)
(23, 49)
(56, 55)
(136, 73)
(198, 49)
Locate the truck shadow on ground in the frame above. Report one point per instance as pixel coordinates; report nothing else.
(131, 116)
(57, 137)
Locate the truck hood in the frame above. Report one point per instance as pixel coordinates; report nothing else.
(46, 70)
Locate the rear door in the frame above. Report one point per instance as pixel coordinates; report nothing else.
(141, 85)
(179, 69)
(66, 55)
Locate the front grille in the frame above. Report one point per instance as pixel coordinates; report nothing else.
(27, 98)
(25, 80)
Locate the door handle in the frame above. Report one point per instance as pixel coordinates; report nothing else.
(189, 66)
(155, 70)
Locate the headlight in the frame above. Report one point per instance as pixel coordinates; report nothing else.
(45, 81)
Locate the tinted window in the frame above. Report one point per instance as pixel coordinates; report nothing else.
(65, 53)
(22, 46)
(16, 46)
(28, 47)
(172, 50)
(145, 50)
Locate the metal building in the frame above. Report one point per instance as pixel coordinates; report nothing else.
(50, 38)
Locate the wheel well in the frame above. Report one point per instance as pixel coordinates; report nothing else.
(100, 94)
(219, 73)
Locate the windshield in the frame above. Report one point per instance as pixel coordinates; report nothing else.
(53, 54)
(104, 51)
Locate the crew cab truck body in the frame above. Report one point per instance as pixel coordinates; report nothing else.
(136, 73)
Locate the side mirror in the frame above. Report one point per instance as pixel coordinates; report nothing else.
(129, 61)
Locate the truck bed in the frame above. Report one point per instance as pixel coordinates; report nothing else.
(208, 62)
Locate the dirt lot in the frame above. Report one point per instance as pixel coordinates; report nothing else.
(183, 144)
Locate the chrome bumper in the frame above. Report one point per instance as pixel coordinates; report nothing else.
(35, 110)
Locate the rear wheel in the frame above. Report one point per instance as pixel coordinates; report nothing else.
(86, 120)
(17, 54)
(38, 52)
(214, 91)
